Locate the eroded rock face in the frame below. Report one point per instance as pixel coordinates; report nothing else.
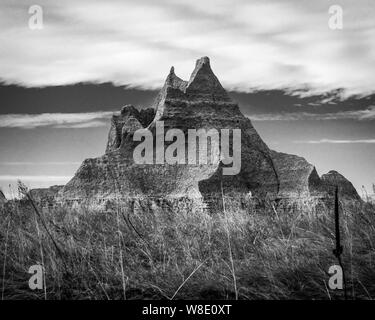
(345, 187)
(129, 120)
(297, 177)
(45, 197)
(200, 103)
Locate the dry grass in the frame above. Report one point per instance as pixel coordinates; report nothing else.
(184, 255)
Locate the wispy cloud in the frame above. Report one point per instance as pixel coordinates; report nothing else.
(56, 120)
(361, 115)
(26, 163)
(253, 44)
(35, 178)
(333, 141)
(100, 119)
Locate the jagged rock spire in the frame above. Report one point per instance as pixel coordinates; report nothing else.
(174, 81)
(204, 85)
(200, 104)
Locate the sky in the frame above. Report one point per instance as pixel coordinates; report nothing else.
(308, 89)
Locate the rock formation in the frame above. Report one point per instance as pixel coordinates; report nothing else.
(345, 187)
(200, 103)
(130, 119)
(297, 177)
(45, 197)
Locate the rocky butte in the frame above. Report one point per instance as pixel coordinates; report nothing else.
(199, 103)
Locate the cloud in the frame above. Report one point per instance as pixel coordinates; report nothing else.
(336, 141)
(252, 45)
(56, 120)
(26, 163)
(100, 119)
(361, 115)
(35, 178)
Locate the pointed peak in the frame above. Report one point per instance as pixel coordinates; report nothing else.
(203, 61)
(174, 81)
(202, 86)
(171, 78)
(202, 65)
(203, 83)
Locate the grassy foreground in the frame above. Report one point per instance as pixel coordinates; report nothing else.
(165, 255)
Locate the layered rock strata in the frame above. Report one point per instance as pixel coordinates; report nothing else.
(200, 104)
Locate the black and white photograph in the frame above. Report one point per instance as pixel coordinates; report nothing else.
(164, 151)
